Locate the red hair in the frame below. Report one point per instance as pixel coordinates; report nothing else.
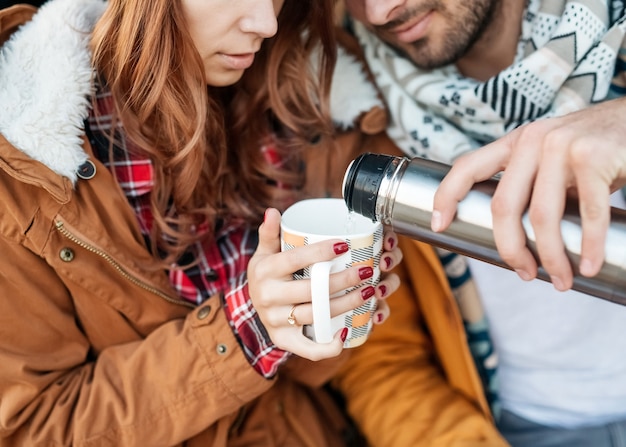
(204, 143)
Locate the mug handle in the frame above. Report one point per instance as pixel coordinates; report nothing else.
(320, 301)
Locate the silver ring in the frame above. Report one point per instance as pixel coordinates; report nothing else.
(291, 318)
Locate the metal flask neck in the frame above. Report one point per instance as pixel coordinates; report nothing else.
(399, 192)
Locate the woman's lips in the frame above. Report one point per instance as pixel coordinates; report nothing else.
(239, 61)
(415, 30)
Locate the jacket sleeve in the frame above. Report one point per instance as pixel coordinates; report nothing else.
(57, 388)
(396, 390)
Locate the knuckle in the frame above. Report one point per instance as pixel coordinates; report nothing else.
(539, 215)
(509, 254)
(257, 270)
(267, 320)
(551, 264)
(500, 206)
(555, 137)
(581, 153)
(592, 211)
(545, 136)
(463, 162)
(262, 300)
(292, 260)
(273, 320)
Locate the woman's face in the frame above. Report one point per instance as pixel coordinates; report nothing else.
(228, 33)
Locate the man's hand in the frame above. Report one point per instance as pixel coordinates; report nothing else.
(583, 153)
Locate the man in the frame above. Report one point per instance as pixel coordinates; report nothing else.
(457, 75)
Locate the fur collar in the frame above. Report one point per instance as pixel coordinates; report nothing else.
(46, 79)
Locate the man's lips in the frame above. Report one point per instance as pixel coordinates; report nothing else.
(414, 30)
(239, 61)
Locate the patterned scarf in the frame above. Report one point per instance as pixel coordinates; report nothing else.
(569, 55)
(565, 60)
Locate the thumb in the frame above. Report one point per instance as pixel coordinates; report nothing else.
(269, 233)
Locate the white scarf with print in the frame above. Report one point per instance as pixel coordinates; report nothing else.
(565, 60)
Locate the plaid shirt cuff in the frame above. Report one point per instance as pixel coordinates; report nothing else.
(263, 355)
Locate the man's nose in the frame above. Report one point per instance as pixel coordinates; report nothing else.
(380, 12)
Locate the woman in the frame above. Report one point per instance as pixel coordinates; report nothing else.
(140, 146)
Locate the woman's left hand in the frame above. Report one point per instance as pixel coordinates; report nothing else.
(389, 282)
(274, 292)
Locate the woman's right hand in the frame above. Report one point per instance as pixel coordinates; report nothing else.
(274, 292)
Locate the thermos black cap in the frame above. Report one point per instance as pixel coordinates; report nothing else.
(362, 182)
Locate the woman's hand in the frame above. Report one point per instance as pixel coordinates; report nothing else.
(274, 292)
(389, 282)
(542, 162)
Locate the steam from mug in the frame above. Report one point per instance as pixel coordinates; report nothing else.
(399, 192)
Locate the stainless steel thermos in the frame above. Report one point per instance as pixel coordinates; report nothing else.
(399, 191)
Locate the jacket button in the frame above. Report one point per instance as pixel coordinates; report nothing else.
(204, 312)
(66, 254)
(87, 170)
(221, 349)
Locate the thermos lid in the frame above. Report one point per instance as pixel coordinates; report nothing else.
(362, 180)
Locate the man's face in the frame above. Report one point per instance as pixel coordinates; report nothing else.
(432, 33)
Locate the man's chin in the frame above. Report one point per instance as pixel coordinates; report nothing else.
(422, 57)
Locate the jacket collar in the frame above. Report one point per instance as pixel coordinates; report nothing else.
(45, 81)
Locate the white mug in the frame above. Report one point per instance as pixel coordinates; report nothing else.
(315, 220)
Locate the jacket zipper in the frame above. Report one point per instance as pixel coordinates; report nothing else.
(118, 267)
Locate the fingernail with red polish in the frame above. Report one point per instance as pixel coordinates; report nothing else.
(367, 293)
(379, 318)
(366, 272)
(391, 241)
(383, 290)
(344, 334)
(340, 247)
(387, 261)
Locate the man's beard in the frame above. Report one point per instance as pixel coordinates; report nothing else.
(468, 24)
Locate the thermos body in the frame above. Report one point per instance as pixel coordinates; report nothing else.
(399, 192)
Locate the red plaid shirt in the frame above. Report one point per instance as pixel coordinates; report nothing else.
(222, 264)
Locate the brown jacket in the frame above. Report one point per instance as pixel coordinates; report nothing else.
(95, 346)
